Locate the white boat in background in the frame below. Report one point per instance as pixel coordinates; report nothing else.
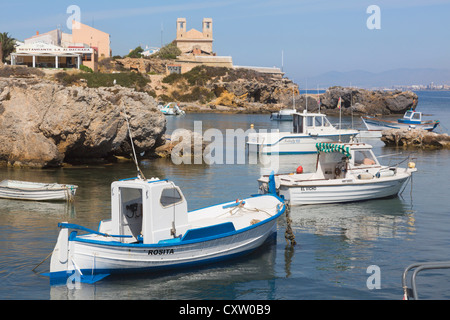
(171, 109)
(150, 229)
(24, 190)
(345, 172)
(411, 119)
(308, 130)
(368, 134)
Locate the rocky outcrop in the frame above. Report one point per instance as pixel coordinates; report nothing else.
(360, 101)
(142, 65)
(181, 144)
(43, 124)
(264, 90)
(415, 138)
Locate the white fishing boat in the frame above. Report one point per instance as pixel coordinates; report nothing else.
(308, 129)
(151, 229)
(344, 172)
(171, 109)
(411, 119)
(24, 190)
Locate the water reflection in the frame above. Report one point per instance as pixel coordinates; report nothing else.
(36, 208)
(368, 220)
(215, 281)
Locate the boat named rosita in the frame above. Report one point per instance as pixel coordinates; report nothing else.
(345, 172)
(308, 129)
(151, 229)
(38, 191)
(411, 119)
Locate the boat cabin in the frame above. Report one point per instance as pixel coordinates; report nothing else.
(337, 160)
(147, 211)
(310, 123)
(412, 117)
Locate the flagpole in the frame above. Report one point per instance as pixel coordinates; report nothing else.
(339, 105)
(318, 97)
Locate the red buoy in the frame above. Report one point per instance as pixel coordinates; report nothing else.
(300, 169)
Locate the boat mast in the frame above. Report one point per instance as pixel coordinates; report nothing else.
(318, 97)
(139, 172)
(306, 96)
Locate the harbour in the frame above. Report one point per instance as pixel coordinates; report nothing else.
(336, 243)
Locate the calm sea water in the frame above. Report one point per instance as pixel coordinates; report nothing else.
(335, 243)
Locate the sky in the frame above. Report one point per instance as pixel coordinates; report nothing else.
(304, 37)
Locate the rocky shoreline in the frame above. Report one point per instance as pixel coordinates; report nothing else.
(45, 124)
(49, 118)
(415, 139)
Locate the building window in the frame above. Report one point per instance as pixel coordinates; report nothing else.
(87, 57)
(174, 69)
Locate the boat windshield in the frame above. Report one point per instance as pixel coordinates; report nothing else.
(408, 114)
(326, 123)
(364, 158)
(170, 196)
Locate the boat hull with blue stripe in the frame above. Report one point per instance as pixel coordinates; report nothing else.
(411, 119)
(150, 229)
(308, 130)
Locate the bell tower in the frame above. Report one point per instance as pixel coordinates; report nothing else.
(181, 28)
(207, 28)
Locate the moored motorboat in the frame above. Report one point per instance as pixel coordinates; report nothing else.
(308, 129)
(150, 229)
(411, 119)
(25, 190)
(171, 109)
(345, 172)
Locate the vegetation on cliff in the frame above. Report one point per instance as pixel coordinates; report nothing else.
(97, 80)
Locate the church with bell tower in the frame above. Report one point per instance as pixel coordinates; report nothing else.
(193, 41)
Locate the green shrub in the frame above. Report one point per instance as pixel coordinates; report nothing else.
(169, 51)
(136, 53)
(20, 72)
(172, 78)
(86, 69)
(96, 80)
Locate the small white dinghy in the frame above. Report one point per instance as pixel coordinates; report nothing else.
(345, 172)
(24, 190)
(151, 229)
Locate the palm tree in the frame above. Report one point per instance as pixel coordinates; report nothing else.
(6, 45)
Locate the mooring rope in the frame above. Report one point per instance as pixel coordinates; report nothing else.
(42, 261)
(289, 234)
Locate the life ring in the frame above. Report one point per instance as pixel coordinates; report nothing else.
(337, 171)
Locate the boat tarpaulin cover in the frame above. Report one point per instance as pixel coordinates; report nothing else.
(333, 147)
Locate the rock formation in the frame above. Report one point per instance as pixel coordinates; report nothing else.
(360, 101)
(415, 138)
(44, 124)
(142, 65)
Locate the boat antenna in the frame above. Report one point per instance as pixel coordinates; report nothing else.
(351, 102)
(318, 97)
(306, 95)
(340, 112)
(140, 174)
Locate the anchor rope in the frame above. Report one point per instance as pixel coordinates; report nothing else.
(289, 234)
